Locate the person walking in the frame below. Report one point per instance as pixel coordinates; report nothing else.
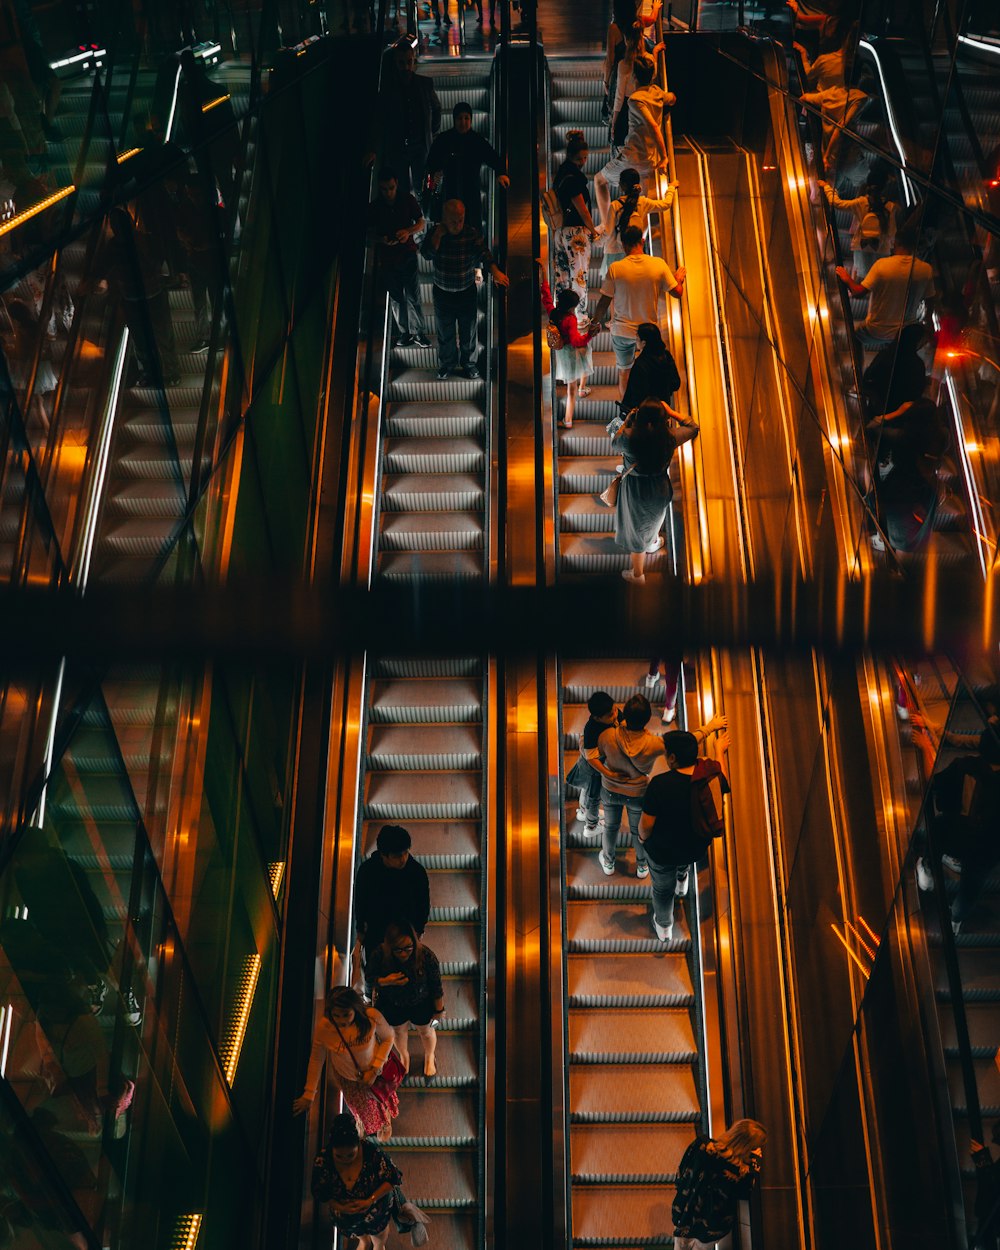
(897, 286)
(646, 442)
(458, 156)
(631, 208)
(391, 885)
(405, 978)
(874, 221)
(456, 251)
(395, 219)
(357, 1181)
(407, 116)
(654, 374)
(680, 817)
(645, 149)
(626, 754)
(636, 286)
(571, 243)
(573, 360)
(713, 1175)
(585, 773)
(357, 1042)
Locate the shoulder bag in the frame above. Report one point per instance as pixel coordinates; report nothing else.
(609, 496)
(388, 1080)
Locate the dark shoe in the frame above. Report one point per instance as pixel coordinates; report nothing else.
(405, 341)
(472, 372)
(199, 347)
(173, 380)
(95, 995)
(420, 341)
(443, 373)
(132, 1012)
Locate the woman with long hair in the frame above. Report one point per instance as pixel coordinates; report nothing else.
(654, 374)
(356, 1041)
(405, 976)
(874, 225)
(631, 208)
(574, 359)
(713, 1174)
(646, 442)
(357, 1182)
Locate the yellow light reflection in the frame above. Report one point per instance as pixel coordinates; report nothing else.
(186, 1233)
(232, 1043)
(207, 108)
(20, 218)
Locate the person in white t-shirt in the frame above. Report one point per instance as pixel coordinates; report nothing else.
(897, 286)
(636, 285)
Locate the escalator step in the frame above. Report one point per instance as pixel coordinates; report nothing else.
(427, 796)
(435, 1117)
(630, 980)
(616, 923)
(430, 566)
(431, 531)
(443, 1179)
(597, 553)
(622, 1216)
(649, 1154)
(422, 385)
(434, 455)
(451, 844)
(456, 946)
(452, 425)
(450, 666)
(413, 492)
(461, 1004)
(454, 895)
(632, 1094)
(447, 747)
(631, 1037)
(457, 1063)
(425, 702)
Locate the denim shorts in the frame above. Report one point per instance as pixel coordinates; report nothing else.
(624, 351)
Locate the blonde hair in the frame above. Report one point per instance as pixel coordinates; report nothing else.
(741, 1139)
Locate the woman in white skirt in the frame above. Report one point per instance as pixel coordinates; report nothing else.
(574, 359)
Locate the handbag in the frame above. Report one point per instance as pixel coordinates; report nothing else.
(552, 209)
(553, 336)
(609, 496)
(388, 1080)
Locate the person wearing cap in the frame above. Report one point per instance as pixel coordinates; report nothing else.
(356, 1180)
(458, 156)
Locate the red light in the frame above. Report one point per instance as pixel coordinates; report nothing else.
(994, 182)
(94, 46)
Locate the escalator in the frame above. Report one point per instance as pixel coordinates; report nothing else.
(432, 518)
(424, 768)
(585, 459)
(636, 1066)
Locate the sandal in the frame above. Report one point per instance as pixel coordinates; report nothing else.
(565, 425)
(585, 391)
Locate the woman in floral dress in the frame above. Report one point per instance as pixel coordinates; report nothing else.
(357, 1180)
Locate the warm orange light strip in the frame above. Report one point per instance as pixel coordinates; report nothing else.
(232, 1043)
(186, 1232)
(35, 209)
(127, 156)
(275, 872)
(205, 108)
(843, 942)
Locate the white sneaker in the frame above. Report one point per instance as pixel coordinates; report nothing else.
(642, 870)
(902, 712)
(652, 679)
(581, 813)
(619, 468)
(951, 862)
(681, 885)
(665, 933)
(924, 878)
(877, 542)
(656, 545)
(956, 927)
(669, 715)
(629, 576)
(607, 865)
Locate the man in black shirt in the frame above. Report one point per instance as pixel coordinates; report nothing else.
(394, 218)
(459, 155)
(408, 115)
(390, 885)
(672, 830)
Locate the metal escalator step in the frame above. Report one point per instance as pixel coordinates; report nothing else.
(418, 666)
(397, 748)
(584, 439)
(453, 425)
(583, 86)
(150, 463)
(147, 499)
(984, 1026)
(614, 1036)
(454, 1230)
(417, 492)
(441, 1179)
(632, 1094)
(629, 981)
(454, 895)
(584, 514)
(437, 844)
(456, 946)
(987, 1085)
(576, 111)
(594, 135)
(621, 678)
(603, 925)
(430, 566)
(433, 455)
(477, 95)
(461, 1004)
(144, 538)
(584, 475)
(146, 428)
(431, 531)
(457, 1063)
(972, 994)
(421, 384)
(598, 553)
(428, 796)
(646, 1153)
(620, 1216)
(435, 1117)
(425, 702)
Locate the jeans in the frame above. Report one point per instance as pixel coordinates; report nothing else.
(590, 797)
(614, 804)
(664, 878)
(456, 312)
(403, 284)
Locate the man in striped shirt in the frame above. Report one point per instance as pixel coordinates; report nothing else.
(457, 251)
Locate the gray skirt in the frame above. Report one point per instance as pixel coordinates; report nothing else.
(642, 505)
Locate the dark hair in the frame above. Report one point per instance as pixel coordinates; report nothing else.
(911, 336)
(631, 190)
(649, 334)
(463, 106)
(876, 205)
(683, 746)
(630, 236)
(650, 442)
(343, 1131)
(575, 144)
(387, 174)
(907, 236)
(393, 840)
(343, 998)
(636, 712)
(600, 703)
(989, 745)
(567, 301)
(397, 929)
(623, 14)
(644, 67)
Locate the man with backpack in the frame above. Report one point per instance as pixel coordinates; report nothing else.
(681, 814)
